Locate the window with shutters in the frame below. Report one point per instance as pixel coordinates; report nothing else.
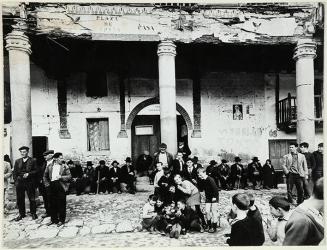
(97, 134)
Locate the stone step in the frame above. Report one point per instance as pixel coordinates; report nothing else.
(143, 184)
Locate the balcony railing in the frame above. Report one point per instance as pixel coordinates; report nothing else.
(287, 114)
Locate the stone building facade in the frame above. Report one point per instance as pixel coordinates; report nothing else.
(109, 81)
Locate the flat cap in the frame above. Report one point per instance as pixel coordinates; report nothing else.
(24, 148)
(48, 152)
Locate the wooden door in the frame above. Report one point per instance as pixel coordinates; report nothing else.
(277, 149)
(145, 142)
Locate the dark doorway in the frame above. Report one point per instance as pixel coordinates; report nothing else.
(146, 134)
(40, 145)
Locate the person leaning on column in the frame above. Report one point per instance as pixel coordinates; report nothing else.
(24, 174)
(56, 177)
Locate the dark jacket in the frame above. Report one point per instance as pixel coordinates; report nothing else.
(90, 173)
(31, 169)
(104, 172)
(76, 172)
(190, 176)
(127, 174)
(242, 233)
(223, 170)
(259, 236)
(176, 167)
(235, 171)
(64, 173)
(254, 169)
(211, 189)
(302, 229)
(311, 161)
(188, 215)
(186, 152)
(317, 171)
(268, 174)
(143, 163)
(114, 174)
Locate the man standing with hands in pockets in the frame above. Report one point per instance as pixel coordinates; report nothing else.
(24, 174)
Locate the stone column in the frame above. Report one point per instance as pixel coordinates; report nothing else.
(304, 54)
(167, 95)
(19, 49)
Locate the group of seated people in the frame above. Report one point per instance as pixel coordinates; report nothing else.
(226, 177)
(174, 208)
(102, 179)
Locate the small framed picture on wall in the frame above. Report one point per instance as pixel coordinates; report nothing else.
(237, 112)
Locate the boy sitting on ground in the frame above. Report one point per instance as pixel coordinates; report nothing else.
(148, 214)
(188, 218)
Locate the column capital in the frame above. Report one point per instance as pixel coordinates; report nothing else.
(166, 47)
(17, 40)
(305, 48)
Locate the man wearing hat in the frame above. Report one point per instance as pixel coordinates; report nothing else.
(25, 175)
(114, 178)
(223, 174)
(255, 172)
(196, 163)
(57, 177)
(102, 175)
(127, 175)
(182, 147)
(89, 178)
(236, 173)
(42, 189)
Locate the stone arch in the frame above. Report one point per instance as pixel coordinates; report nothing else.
(155, 100)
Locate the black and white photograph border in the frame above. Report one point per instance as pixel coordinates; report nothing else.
(121, 126)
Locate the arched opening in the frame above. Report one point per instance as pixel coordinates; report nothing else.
(144, 122)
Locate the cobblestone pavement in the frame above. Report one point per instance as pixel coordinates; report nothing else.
(111, 221)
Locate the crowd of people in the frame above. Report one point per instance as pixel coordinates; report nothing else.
(174, 207)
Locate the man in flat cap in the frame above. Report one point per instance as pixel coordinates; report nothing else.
(57, 177)
(25, 174)
(42, 189)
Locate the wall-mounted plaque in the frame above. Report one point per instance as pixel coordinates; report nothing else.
(144, 130)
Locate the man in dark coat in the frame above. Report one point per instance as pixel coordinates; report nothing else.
(57, 177)
(143, 164)
(178, 164)
(317, 171)
(196, 162)
(114, 178)
(127, 175)
(269, 175)
(189, 173)
(25, 175)
(89, 178)
(236, 172)
(255, 172)
(311, 163)
(223, 174)
(102, 176)
(76, 172)
(42, 189)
